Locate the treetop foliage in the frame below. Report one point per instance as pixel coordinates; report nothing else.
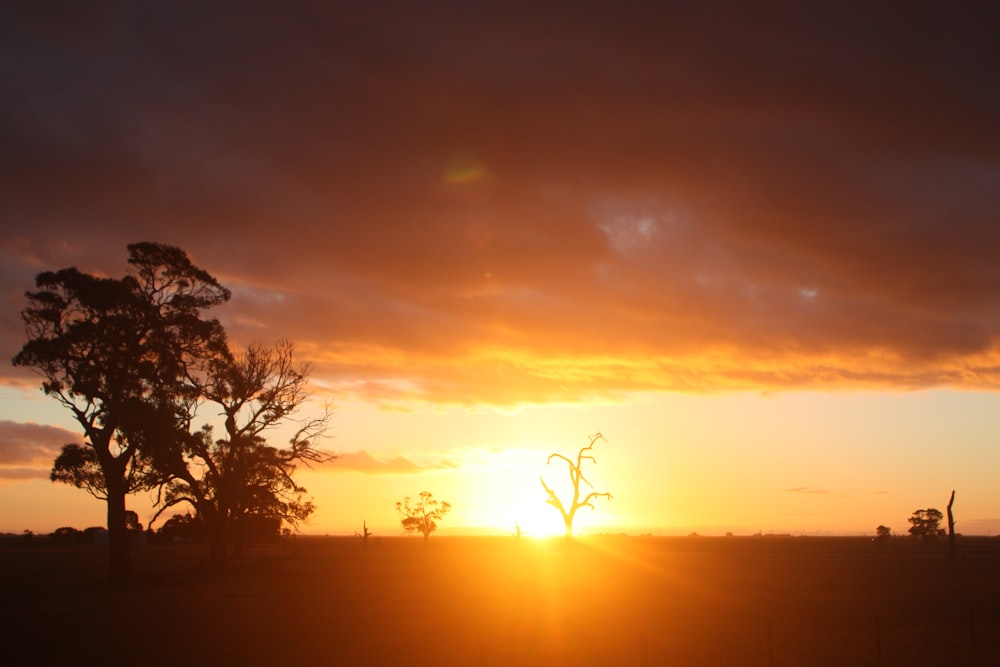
(925, 523)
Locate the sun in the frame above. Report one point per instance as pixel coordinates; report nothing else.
(524, 510)
(538, 520)
(543, 529)
(504, 495)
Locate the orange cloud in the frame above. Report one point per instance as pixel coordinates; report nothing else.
(27, 450)
(362, 461)
(28, 443)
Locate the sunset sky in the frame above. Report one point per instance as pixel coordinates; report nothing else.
(755, 246)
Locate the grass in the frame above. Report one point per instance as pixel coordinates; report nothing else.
(497, 601)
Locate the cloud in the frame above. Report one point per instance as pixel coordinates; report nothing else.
(465, 206)
(807, 490)
(27, 450)
(22, 474)
(362, 461)
(28, 443)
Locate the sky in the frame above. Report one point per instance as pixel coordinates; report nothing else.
(752, 244)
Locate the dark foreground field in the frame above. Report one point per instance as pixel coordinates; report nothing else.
(493, 601)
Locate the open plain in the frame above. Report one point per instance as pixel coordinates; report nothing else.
(498, 601)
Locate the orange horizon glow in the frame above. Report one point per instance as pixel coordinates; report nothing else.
(741, 463)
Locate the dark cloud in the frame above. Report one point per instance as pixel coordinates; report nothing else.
(531, 203)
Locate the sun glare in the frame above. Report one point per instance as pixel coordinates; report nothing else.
(536, 519)
(507, 495)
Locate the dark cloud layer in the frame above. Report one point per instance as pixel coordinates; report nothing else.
(530, 203)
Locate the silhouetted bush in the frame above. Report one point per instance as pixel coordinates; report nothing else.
(67, 535)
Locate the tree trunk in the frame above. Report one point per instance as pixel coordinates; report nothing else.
(118, 547)
(951, 528)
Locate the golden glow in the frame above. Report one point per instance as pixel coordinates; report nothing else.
(795, 463)
(501, 493)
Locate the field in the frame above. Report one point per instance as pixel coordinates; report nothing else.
(496, 601)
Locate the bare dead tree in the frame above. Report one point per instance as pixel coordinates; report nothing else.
(951, 527)
(568, 510)
(364, 535)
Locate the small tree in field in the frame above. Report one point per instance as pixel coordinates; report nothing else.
(575, 477)
(924, 524)
(423, 516)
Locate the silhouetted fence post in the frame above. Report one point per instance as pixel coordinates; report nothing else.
(951, 528)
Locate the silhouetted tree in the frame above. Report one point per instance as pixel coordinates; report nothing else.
(181, 528)
(924, 524)
(66, 535)
(132, 521)
(242, 488)
(568, 511)
(883, 533)
(423, 516)
(117, 353)
(95, 535)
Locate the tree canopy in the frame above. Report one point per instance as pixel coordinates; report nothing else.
(242, 487)
(925, 523)
(423, 515)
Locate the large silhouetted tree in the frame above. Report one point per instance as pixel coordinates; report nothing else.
(568, 510)
(240, 485)
(423, 515)
(118, 354)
